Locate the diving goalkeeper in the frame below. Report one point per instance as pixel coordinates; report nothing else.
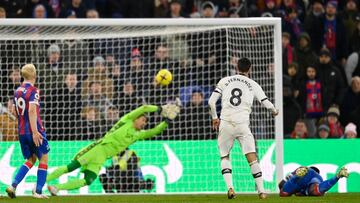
(125, 132)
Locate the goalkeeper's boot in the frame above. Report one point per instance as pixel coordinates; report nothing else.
(10, 190)
(53, 190)
(231, 194)
(342, 173)
(262, 195)
(301, 171)
(39, 196)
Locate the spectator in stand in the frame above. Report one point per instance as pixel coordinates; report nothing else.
(91, 125)
(350, 131)
(298, 6)
(334, 33)
(140, 75)
(114, 72)
(293, 72)
(96, 98)
(10, 84)
(291, 108)
(196, 118)
(92, 13)
(314, 24)
(14, 8)
(323, 131)
(66, 110)
(39, 11)
(291, 24)
(99, 74)
(352, 67)
(75, 54)
(351, 102)
(2, 12)
(51, 75)
(111, 117)
(349, 17)
(300, 130)
(75, 7)
(8, 122)
(162, 8)
(271, 9)
(234, 9)
(330, 78)
(161, 59)
(310, 94)
(176, 10)
(289, 55)
(128, 98)
(56, 7)
(311, 99)
(354, 43)
(305, 54)
(208, 10)
(332, 119)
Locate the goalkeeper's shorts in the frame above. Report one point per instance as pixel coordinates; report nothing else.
(92, 159)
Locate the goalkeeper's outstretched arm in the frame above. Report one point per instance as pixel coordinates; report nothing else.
(134, 115)
(140, 111)
(145, 134)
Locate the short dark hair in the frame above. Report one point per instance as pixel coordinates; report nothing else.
(244, 65)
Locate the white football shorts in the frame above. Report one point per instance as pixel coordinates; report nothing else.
(229, 132)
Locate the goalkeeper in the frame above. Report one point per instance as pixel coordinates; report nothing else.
(125, 132)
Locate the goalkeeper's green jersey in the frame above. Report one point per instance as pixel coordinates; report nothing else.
(123, 133)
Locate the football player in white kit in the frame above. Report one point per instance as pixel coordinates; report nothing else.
(237, 93)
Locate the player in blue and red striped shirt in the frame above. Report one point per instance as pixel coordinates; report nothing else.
(32, 137)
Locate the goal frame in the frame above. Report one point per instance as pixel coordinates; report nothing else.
(276, 22)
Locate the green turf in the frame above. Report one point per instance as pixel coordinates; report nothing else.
(328, 198)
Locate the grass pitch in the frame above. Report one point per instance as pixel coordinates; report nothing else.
(328, 198)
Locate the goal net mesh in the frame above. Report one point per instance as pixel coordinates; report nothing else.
(90, 76)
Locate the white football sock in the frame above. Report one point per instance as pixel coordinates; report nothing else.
(256, 172)
(227, 172)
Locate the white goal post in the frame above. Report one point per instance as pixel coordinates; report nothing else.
(91, 71)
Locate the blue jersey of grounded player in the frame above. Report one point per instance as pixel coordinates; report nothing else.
(25, 95)
(306, 181)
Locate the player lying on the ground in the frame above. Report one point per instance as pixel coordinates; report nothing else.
(306, 181)
(32, 136)
(125, 132)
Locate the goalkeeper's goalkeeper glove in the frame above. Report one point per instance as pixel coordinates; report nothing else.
(171, 110)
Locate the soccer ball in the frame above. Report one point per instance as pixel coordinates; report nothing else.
(164, 77)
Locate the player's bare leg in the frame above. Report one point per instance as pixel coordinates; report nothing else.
(257, 174)
(227, 174)
(11, 189)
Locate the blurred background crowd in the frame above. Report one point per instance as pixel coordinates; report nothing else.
(321, 67)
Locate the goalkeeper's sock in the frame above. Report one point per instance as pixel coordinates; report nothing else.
(41, 177)
(57, 173)
(21, 173)
(256, 172)
(327, 184)
(227, 172)
(72, 184)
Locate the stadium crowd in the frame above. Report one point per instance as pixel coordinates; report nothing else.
(321, 68)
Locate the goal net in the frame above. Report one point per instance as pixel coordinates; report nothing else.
(92, 72)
